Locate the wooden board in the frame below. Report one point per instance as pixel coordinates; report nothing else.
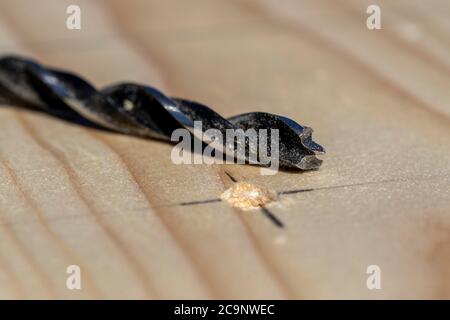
(116, 205)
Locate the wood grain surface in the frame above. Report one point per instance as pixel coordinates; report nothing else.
(136, 223)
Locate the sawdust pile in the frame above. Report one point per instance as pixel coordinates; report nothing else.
(246, 196)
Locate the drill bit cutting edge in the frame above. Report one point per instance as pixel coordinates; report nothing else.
(145, 111)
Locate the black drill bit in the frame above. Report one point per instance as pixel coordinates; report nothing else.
(144, 111)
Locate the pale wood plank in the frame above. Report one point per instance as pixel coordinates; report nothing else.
(110, 203)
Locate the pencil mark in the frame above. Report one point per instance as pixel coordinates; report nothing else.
(230, 176)
(269, 214)
(295, 191)
(272, 217)
(190, 203)
(281, 193)
(359, 184)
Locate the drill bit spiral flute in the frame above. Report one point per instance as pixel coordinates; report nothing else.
(142, 110)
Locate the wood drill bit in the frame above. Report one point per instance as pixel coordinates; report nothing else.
(143, 110)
